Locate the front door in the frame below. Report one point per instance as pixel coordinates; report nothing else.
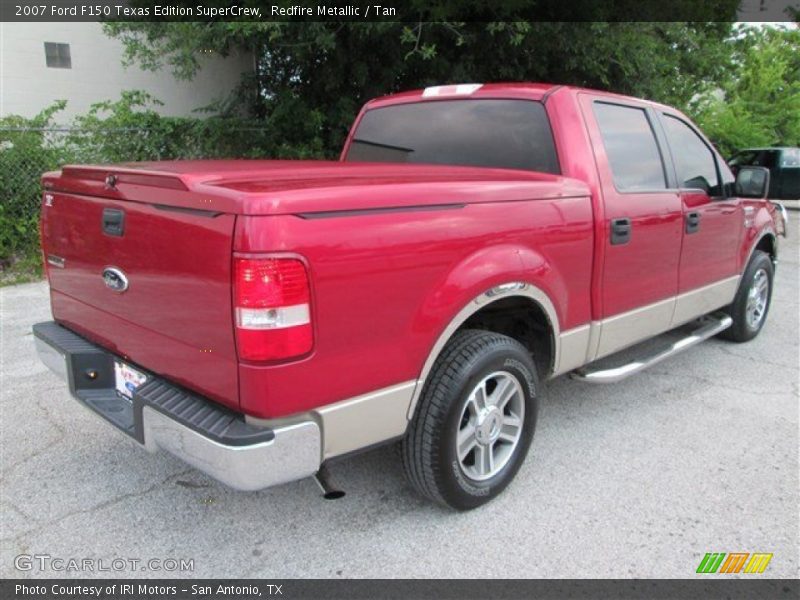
(713, 222)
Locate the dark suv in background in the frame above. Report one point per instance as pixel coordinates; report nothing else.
(783, 165)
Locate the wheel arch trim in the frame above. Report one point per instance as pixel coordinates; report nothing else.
(766, 232)
(520, 289)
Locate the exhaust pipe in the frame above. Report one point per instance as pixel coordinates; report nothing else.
(329, 489)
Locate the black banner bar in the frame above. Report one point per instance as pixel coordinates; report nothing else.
(710, 588)
(367, 11)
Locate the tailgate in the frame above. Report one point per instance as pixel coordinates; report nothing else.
(174, 318)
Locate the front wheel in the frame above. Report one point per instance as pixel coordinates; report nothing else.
(475, 420)
(751, 304)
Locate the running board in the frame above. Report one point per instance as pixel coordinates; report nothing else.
(710, 326)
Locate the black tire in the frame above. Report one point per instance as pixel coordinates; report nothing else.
(429, 455)
(743, 329)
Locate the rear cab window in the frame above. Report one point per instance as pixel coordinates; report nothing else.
(497, 133)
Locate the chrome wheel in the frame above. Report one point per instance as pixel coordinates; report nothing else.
(757, 297)
(491, 425)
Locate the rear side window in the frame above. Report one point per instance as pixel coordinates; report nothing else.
(694, 160)
(509, 134)
(631, 147)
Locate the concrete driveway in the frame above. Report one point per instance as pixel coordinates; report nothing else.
(699, 454)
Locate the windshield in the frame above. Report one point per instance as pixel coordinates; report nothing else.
(510, 134)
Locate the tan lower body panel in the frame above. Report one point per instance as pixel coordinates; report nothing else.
(701, 301)
(626, 329)
(572, 349)
(590, 342)
(382, 415)
(365, 420)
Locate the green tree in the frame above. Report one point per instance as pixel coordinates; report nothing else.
(25, 153)
(758, 103)
(312, 77)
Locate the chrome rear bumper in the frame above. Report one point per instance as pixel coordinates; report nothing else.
(208, 436)
(294, 452)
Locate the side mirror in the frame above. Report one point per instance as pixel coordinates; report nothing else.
(752, 182)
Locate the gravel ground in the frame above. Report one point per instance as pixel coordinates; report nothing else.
(698, 454)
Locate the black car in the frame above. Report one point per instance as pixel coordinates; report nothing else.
(783, 165)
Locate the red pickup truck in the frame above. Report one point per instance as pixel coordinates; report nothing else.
(259, 318)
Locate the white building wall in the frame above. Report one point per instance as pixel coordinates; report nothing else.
(27, 85)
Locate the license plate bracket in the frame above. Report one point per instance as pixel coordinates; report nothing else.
(127, 379)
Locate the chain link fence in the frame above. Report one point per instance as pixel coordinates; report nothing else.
(27, 152)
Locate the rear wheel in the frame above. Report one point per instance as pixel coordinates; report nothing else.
(474, 422)
(751, 304)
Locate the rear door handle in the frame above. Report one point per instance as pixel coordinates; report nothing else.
(620, 231)
(692, 222)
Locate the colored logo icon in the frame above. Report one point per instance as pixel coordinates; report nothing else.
(734, 562)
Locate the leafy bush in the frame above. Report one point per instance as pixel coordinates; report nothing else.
(25, 153)
(125, 130)
(139, 133)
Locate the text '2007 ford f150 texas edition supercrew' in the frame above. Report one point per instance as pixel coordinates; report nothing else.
(259, 318)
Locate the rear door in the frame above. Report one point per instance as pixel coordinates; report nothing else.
(642, 223)
(713, 221)
(174, 315)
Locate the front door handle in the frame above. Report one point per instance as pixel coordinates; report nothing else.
(692, 222)
(620, 231)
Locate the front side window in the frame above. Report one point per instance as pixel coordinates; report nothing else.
(694, 160)
(507, 134)
(631, 147)
(746, 157)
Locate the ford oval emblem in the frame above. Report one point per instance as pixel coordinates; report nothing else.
(115, 279)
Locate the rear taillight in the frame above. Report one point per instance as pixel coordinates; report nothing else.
(272, 308)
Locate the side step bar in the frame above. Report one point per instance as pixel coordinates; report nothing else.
(710, 326)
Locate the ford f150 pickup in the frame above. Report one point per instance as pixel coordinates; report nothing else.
(260, 318)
